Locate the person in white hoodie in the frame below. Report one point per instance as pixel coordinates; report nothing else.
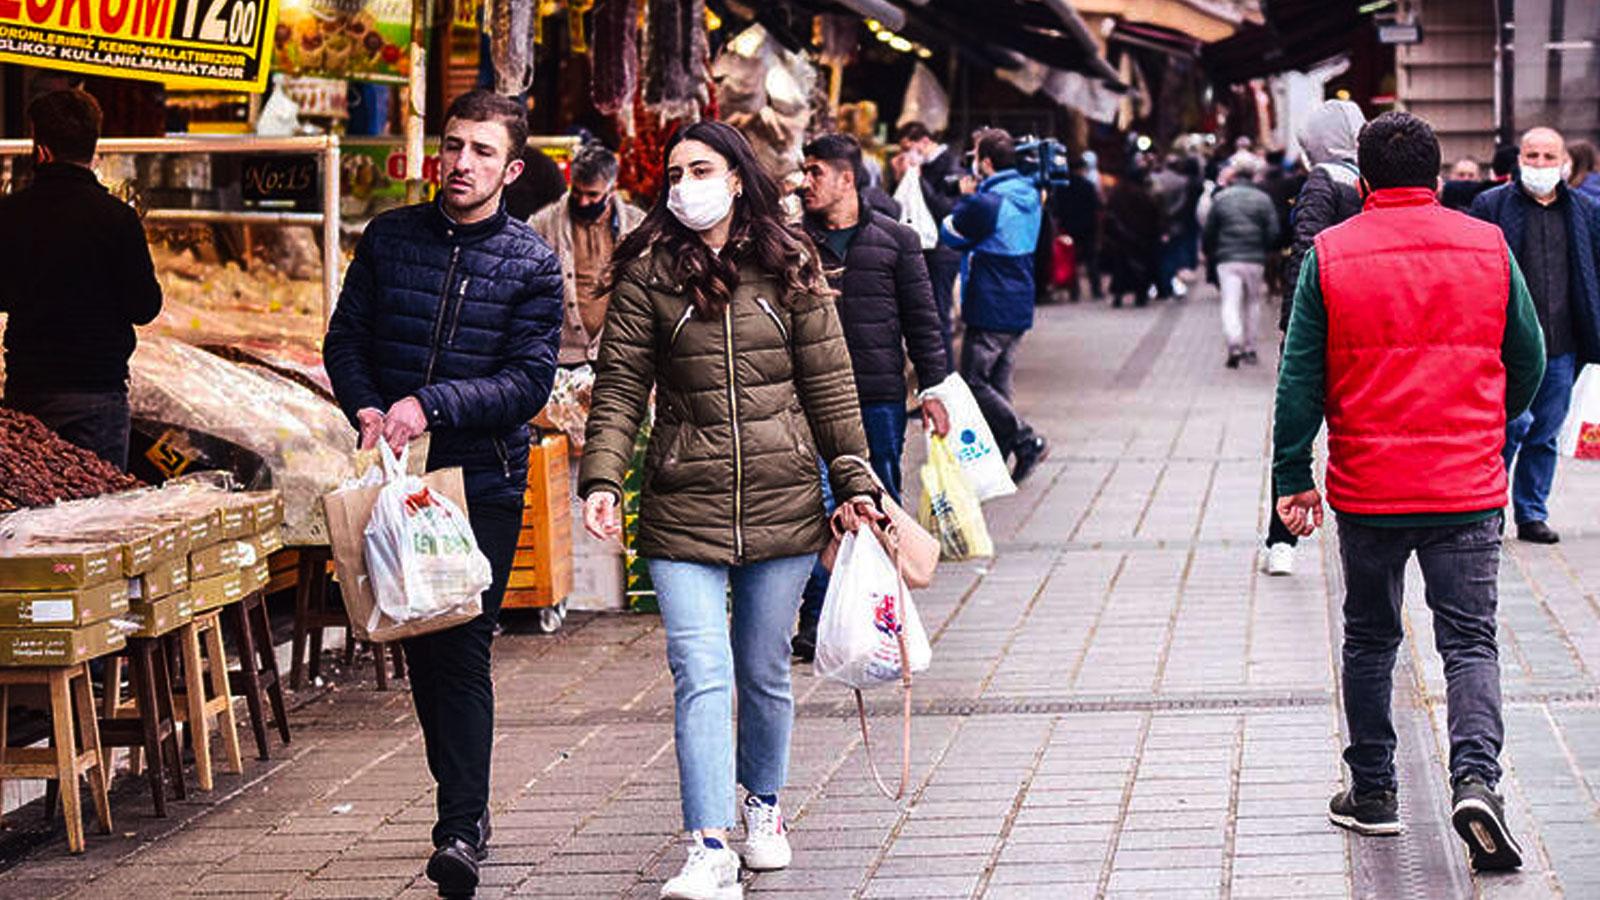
(1330, 195)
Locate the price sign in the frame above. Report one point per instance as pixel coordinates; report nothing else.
(190, 44)
(279, 182)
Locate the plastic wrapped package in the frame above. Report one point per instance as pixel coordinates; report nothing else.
(764, 91)
(304, 439)
(568, 406)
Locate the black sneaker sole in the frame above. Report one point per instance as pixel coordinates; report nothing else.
(1369, 829)
(1489, 843)
(455, 878)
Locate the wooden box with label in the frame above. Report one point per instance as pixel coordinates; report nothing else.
(541, 574)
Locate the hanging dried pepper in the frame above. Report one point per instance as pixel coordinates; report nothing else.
(675, 57)
(616, 56)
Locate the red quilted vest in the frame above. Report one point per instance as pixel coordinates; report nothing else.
(1416, 392)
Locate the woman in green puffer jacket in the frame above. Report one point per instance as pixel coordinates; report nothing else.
(723, 310)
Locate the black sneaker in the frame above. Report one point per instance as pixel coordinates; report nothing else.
(1371, 814)
(1480, 818)
(454, 868)
(1234, 359)
(1030, 453)
(1537, 533)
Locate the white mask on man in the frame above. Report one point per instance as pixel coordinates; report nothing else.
(700, 203)
(1541, 181)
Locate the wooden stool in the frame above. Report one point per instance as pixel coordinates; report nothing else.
(146, 720)
(74, 750)
(194, 708)
(258, 668)
(313, 614)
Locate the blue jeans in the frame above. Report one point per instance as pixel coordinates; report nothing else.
(1460, 567)
(1531, 440)
(885, 424)
(708, 665)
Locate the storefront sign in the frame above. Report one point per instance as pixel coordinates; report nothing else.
(193, 44)
(280, 182)
(464, 14)
(360, 39)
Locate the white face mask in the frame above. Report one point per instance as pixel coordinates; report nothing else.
(1541, 181)
(700, 203)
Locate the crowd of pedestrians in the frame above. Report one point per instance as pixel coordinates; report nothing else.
(1440, 349)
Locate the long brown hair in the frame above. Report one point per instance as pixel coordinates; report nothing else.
(758, 233)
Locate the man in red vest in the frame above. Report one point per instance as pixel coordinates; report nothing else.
(1414, 335)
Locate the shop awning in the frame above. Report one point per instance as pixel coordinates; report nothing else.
(1202, 20)
(1042, 29)
(1296, 34)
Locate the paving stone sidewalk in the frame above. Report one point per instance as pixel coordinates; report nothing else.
(1120, 705)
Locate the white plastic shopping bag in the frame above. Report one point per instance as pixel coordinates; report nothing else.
(914, 212)
(1580, 436)
(421, 556)
(972, 441)
(858, 637)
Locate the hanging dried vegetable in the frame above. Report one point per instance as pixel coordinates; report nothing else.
(616, 56)
(675, 58)
(511, 44)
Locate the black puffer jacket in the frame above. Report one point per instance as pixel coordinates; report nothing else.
(885, 303)
(467, 319)
(1323, 203)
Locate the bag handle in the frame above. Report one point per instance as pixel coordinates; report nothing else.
(905, 697)
(394, 467)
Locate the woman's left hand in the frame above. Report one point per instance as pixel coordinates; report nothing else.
(856, 512)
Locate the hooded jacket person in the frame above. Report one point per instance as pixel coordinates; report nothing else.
(1332, 190)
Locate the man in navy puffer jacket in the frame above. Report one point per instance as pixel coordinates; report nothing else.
(449, 322)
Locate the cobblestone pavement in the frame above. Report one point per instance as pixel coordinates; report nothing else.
(1120, 705)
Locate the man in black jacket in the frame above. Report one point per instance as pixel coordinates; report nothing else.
(449, 323)
(885, 306)
(938, 168)
(78, 278)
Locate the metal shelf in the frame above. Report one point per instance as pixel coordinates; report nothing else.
(234, 217)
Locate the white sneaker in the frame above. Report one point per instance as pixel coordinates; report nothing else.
(708, 874)
(766, 844)
(1280, 559)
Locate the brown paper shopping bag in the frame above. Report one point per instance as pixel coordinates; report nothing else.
(348, 514)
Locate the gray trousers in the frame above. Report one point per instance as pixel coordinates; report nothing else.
(988, 359)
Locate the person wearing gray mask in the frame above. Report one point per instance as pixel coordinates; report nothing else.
(1554, 232)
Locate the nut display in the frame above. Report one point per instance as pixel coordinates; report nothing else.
(38, 467)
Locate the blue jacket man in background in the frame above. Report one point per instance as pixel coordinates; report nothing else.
(996, 223)
(1554, 232)
(449, 323)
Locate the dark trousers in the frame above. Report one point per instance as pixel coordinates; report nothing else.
(988, 360)
(97, 421)
(944, 266)
(1086, 259)
(453, 691)
(1460, 567)
(885, 424)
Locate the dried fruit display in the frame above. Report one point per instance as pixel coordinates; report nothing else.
(38, 467)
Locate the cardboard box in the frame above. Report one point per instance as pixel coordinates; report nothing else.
(63, 608)
(145, 546)
(58, 646)
(203, 528)
(167, 577)
(221, 557)
(256, 576)
(250, 512)
(60, 565)
(218, 591)
(161, 616)
(268, 542)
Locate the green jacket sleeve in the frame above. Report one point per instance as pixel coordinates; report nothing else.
(1302, 385)
(826, 385)
(1523, 349)
(624, 375)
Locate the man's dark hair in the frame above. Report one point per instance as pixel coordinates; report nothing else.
(1504, 164)
(996, 145)
(67, 123)
(487, 106)
(1398, 149)
(594, 163)
(840, 151)
(913, 131)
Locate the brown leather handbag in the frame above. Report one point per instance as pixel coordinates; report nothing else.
(907, 542)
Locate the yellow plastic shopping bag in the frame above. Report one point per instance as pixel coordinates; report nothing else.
(950, 509)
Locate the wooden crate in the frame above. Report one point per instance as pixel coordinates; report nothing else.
(541, 574)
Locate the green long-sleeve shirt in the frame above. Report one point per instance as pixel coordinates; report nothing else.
(1302, 381)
